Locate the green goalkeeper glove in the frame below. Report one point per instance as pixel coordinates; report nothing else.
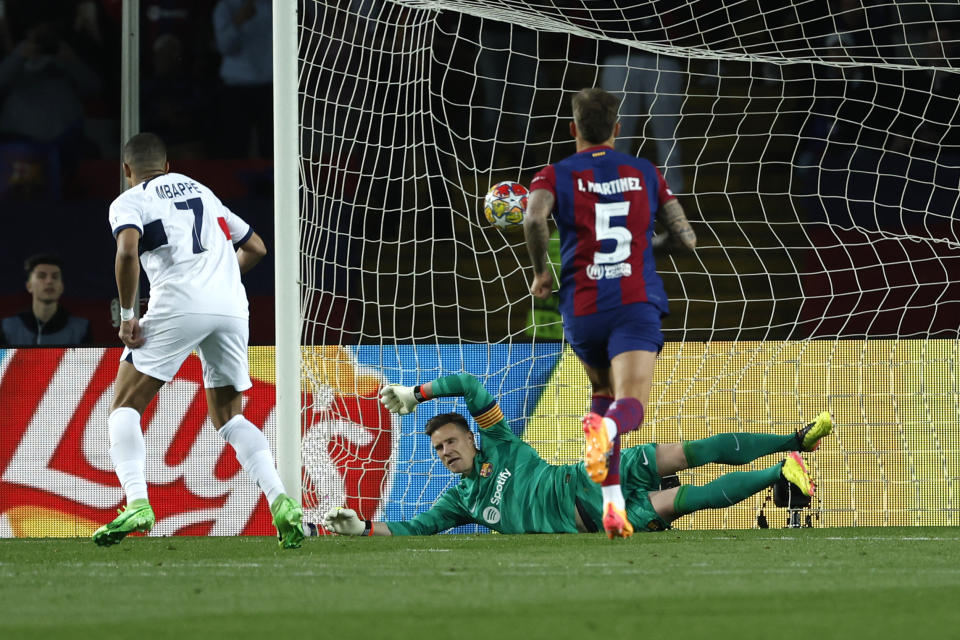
(343, 521)
(398, 399)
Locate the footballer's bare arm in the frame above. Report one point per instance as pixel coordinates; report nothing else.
(127, 266)
(679, 234)
(251, 252)
(539, 205)
(127, 272)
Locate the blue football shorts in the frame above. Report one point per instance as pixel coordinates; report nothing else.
(599, 337)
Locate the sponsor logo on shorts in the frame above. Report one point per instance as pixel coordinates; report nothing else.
(609, 271)
(491, 515)
(486, 469)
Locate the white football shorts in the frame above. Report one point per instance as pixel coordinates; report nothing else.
(221, 342)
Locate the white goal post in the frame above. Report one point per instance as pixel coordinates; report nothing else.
(286, 250)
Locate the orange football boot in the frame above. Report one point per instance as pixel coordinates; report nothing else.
(615, 522)
(598, 447)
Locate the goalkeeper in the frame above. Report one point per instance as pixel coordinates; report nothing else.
(506, 486)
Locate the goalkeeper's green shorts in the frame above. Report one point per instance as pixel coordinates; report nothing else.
(638, 477)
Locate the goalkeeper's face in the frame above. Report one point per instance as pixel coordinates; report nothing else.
(455, 447)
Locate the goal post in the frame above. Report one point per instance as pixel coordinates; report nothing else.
(814, 146)
(286, 259)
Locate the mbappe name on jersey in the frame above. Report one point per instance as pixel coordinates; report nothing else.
(177, 189)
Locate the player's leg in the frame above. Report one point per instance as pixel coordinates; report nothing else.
(226, 376)
(619, 416)
(133, 391)
(634, 341)
(141, 374)
(632, 376)
(729, 489)
(741, 448)
(588, 337)
(600, 439)
(669, 458)
(665, 106)
(615, 77)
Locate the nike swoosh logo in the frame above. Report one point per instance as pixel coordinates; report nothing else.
(645, 461)
(737, 440)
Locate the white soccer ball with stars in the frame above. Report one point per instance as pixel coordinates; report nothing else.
(505, 204)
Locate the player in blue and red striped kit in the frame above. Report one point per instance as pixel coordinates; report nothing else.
(605, 204)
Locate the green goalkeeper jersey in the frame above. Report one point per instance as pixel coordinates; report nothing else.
(511, 489)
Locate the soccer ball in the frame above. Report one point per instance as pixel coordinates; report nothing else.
(505, 203)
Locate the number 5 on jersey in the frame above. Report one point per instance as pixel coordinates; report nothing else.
(622, 235)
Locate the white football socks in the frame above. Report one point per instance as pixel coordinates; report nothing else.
(253, 453)
(128, 452)
(611, 428)
(612, 493)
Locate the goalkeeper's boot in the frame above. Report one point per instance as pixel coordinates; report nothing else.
(615, 522)
(796, 472)
(287, 516)
(808, 438)
(136, 516)
(598, 448)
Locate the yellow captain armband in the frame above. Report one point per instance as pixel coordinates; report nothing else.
(489, 416)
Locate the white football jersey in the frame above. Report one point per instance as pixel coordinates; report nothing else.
(187, 239)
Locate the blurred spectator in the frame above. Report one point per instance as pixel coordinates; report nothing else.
(189, 21)
(928, 118)
(96, 39)
(6, 41)
(650, 84)
(172, 102)
(506, 65)
(45, 322)
(244, 35)
(43, 84)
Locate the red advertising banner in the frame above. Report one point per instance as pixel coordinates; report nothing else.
(56, 476)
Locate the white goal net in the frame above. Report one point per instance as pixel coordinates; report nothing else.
(814, 145)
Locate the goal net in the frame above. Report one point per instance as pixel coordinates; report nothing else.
(814, 147)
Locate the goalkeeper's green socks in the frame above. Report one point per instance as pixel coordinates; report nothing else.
(736, 448)
(725, 491)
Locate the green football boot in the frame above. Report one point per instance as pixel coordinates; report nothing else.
(136, 516)
(795, 471)
(287, 515)
(808, 438)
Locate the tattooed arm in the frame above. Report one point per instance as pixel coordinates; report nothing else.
(679, 233)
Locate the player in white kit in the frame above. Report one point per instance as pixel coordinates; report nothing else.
(193, 250)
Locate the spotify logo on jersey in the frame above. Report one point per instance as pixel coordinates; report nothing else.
(491, 515)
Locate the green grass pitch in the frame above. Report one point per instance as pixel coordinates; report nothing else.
(808, 584)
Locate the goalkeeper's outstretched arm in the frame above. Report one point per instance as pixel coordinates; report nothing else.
(403, 400)
(346, 522)
(445, 514)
